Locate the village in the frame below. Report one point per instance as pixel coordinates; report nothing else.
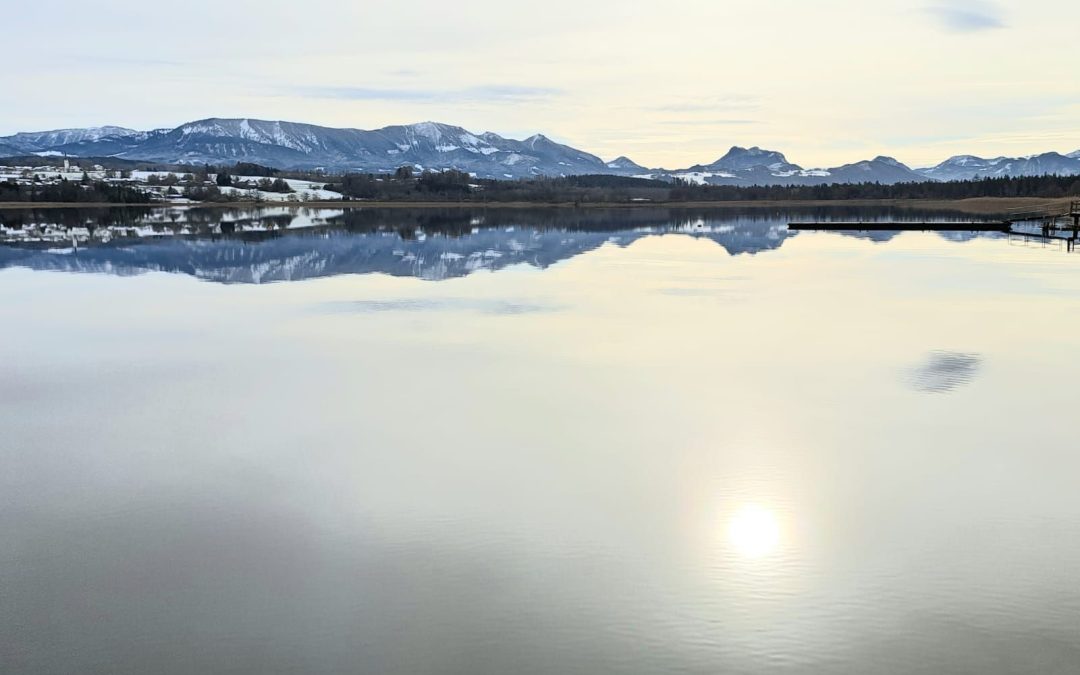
(188, 186)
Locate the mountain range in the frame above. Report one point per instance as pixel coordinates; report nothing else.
(434, 146)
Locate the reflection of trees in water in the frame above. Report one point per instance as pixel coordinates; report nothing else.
(257, 223)
(460, 221)
(126, 222)
(457, 220)
(105, 216)
(426, 243)
(125, 216)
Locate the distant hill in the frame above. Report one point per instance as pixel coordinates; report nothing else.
(44, 141)
(967, 167)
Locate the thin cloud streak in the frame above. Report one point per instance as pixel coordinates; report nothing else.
(966, 16)
(816, 89)
(706, 123)
(727, 103)
(492, 93)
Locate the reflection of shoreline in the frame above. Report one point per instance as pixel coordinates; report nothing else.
(975, 206)
(344, 247)
(93, 226)
(253, 246)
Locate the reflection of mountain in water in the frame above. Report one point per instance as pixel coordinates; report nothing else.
(885, 236)
(430, 244)
(431, 249)
(303, 256)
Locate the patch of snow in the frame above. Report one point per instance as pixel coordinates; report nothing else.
(702, 177)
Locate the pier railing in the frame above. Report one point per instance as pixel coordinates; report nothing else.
(1049, 211)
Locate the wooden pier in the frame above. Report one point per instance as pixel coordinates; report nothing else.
(1054, 221)
(903, 226)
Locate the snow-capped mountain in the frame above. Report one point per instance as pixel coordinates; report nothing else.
(434, 146)
(878, 170)
(755, 166)
(741, 159)
(107, 145)
(1039, 165)
(428, 145)
(626, 166)
(43, 141)
(961, 167)
(968, 167)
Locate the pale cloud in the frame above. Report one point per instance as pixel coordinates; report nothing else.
(709, 103)
(486, 93)
(616, 77)
(707, 123)
(966, 16)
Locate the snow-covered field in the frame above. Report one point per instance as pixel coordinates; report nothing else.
(303, 190)
(702, 177)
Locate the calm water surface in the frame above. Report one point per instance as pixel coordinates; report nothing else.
(637, 442)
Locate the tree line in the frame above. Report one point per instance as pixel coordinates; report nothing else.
(205, 183)
(458, 186)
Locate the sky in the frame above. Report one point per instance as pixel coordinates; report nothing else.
(667, 84)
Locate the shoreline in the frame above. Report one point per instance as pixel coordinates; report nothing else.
(973, 206)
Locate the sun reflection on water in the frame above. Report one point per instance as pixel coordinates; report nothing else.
(754, 532)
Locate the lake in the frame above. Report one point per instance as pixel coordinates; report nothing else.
(544, 441)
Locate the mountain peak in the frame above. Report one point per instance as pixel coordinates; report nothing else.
(430, 126)
(624, 163)
(962, 160)
(432, 131)
(891, 161)
(740, 159)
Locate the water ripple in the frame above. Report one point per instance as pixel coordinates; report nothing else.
(944, 371)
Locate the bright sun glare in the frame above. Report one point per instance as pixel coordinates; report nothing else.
(754, 532)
